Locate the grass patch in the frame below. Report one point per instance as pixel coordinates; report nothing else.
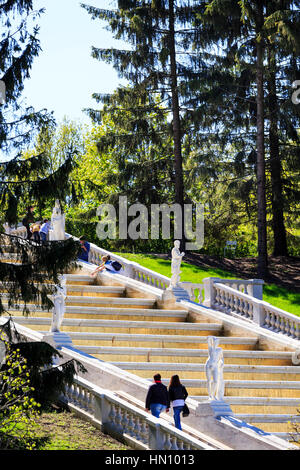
(65, 431)
(280, 297)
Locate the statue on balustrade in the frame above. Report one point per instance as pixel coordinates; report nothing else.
(214, 369)
(175, 266)
(57, 223)
(58, 300)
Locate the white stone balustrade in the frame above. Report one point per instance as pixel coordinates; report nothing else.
(233, 302)
(121, 419)
(131, 269)
(195, 291)
(231, 296)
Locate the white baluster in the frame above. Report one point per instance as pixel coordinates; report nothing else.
(125, 421)
(174, 443)
(144, 432)
(131, 425)
(137, 429)
(118, 419)
(112, 415)
(268, 319)
(167, 443)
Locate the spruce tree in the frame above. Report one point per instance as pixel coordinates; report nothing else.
(244, 28)
(156, 65)
(26, 180)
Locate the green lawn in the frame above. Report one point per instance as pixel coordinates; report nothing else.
(64, 431)
(278, 296)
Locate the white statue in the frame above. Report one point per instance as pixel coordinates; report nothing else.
(2, 352)
(214, 369)
(296, 357)
(57, 223)
(175, 266)
(58, 300)
(7, 228)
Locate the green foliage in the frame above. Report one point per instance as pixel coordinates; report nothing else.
(47, 382)
(28, 280)
(18, 409)
(19, 45)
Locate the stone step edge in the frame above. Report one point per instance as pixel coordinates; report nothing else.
(190, 367)
(114, 300)
(251, 384)
(253, 401)
(93, 288)
(168, 338)
(119, 323)
(267, 418)
(110, 310)
(186, 352)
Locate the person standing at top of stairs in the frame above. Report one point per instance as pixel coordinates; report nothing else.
(28, 219)
(85, 249)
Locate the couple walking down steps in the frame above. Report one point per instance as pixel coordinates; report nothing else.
(159, 398)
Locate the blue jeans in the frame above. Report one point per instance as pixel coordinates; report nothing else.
(43, 236)
(177, 410)
(157, 408)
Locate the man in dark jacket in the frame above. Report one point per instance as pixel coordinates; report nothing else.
(157, 399)
(28, 219)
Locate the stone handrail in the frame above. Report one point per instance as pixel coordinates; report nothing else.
(121, 419)
(233, 302)
(251, 287)
(195, 291)
(131, 269)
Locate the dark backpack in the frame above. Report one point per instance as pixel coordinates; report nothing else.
(116, 265)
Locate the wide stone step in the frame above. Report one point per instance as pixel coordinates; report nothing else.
(259, 405)
(160, 341)
(109, 313)
(268, 418)
(244, 388)
(79, 279)
(109, 326)
(271, 422)
(186, 355)
(231, 371)
(109, 302)
(95, 291)
(136, 314)
(255, 401)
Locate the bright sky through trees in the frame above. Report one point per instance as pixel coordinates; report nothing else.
(64, 76)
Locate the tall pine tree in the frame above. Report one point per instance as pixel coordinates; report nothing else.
(156, 64)
(245, 28)
(22, 178)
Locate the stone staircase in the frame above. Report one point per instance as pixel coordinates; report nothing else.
(129, 330)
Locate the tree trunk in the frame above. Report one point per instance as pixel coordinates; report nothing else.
(279, 232)
(179, 186)
(262, 262)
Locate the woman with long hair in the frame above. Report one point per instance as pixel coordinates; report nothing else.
(177, 394)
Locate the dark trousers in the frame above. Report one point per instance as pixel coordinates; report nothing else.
(36, 237)
(29, 233)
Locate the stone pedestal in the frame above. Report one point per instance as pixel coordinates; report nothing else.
(213, 409)
(178, 292)
(58, 340)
